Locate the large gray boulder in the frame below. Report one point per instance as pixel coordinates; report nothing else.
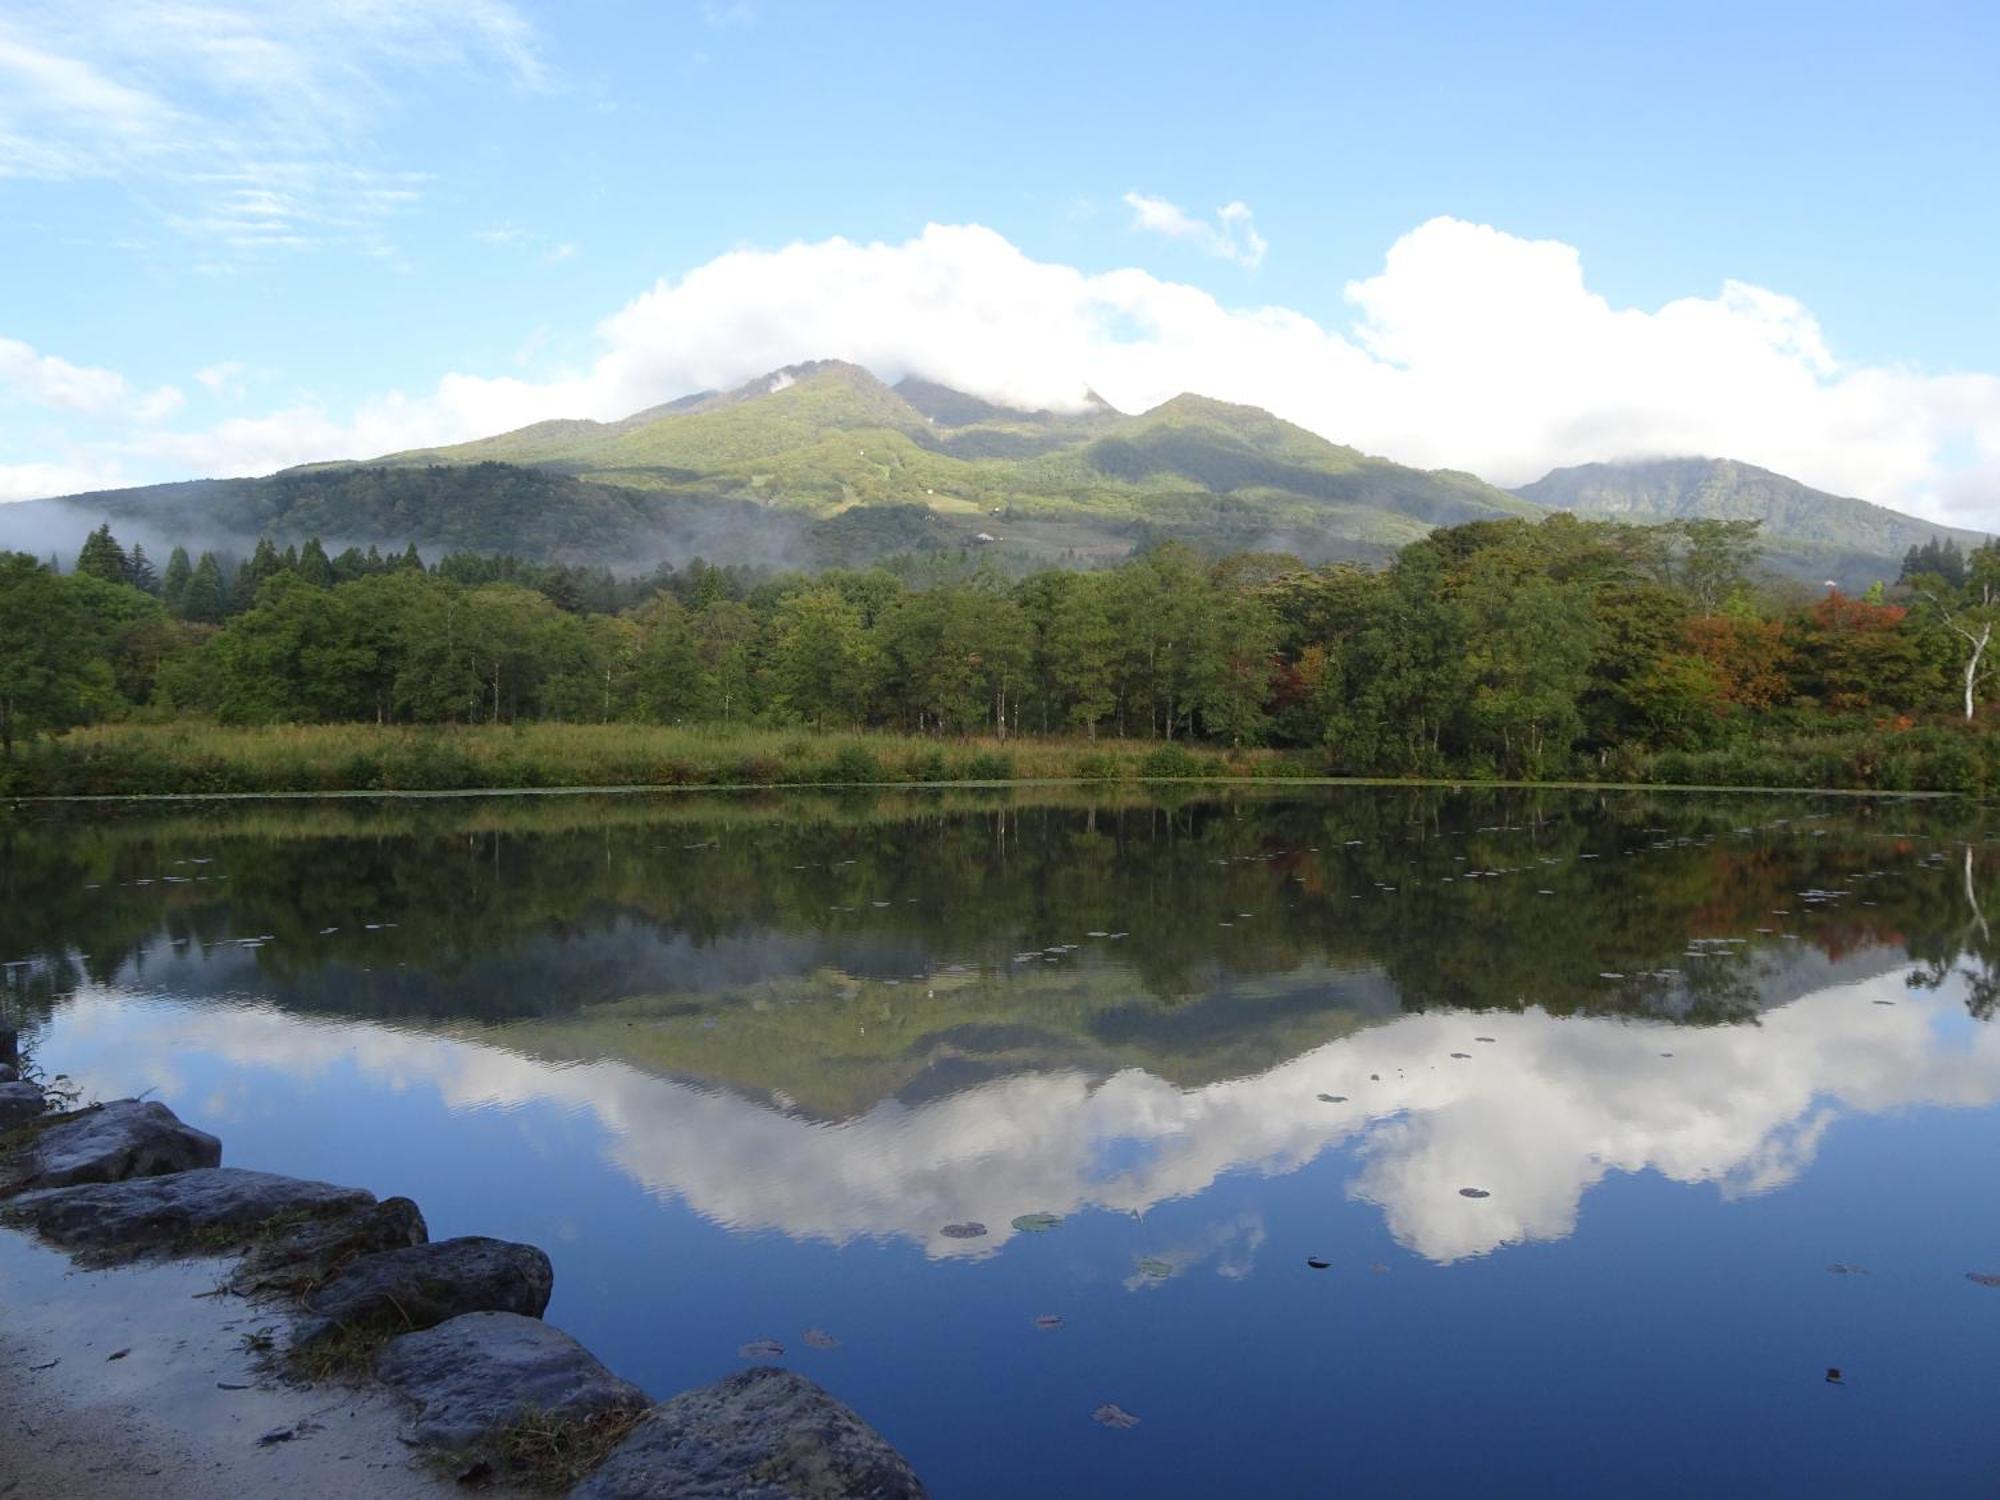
(208, 1208)
(472, 1375)
(765, 1434)
(298, 1256)
(397, 1291)
(106, 1143)
(19, 1103)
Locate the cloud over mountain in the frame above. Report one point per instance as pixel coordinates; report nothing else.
(1469, 348)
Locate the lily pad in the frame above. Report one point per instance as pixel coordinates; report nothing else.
(1318, 1263)
(1983, 1278)
(1461, 1054)
(1333, 1098)
(1153, 1266)
(972, 1229)
(762, 1349)
(1114, 1416)
(1474, 1193)
(1048, 1322)
(1037, 1223)
(819, 1338)
(1841, 1268)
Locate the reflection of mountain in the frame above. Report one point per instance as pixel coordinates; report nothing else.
(1535, 1116)
(841, 953)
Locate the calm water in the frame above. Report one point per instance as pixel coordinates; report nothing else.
(739, 1063)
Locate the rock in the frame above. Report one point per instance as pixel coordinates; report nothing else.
(214, 1208)
(9, 1073)
(423, 1285)
(106, 1143)
(19, 1103)
(301, 1256)
(765, 1434)
(472, 1375)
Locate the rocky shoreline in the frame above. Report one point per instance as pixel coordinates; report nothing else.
(453, 1328)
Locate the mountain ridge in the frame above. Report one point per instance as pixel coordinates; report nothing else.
(1798, 518)
(823, 462)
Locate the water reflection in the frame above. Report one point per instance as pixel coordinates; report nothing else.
(843, 1021)
(1536, 1116)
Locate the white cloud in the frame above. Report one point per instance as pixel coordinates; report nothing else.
(1470, 348)
(47, 380)
(1233, 235)
(158, 405)
(237, 117)
(224, 378)
(31, 481)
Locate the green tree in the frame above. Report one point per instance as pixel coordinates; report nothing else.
(822, 661)
(139, 571)
(102, 557)
(47, 669)
(173, 588)
(1083, 652)
(669, 673)
(206, 598)
(726, 636)
(315, 567)
(1968, 612)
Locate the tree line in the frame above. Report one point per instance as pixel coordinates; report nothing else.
(1497, 647)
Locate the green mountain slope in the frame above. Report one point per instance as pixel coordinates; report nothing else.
(823, 462)
(1810, 532)
(829, 437)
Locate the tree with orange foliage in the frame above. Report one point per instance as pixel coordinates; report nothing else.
(1853, 656)
(1748, 656)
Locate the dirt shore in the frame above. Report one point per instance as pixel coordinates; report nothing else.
(137, 1382)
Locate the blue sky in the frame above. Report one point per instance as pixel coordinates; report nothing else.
(244, 234)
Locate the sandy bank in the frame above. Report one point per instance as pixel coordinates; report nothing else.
(185, 1414)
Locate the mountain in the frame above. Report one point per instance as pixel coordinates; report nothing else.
(823, 463)
(1808, 532)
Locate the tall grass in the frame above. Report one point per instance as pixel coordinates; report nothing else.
(194, 759)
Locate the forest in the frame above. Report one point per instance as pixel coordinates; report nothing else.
(1507, 649)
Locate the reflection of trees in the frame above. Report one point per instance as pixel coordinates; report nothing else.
(511, 910)
(1969, 952)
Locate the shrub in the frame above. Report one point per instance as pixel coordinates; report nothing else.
(851, 764)
(989, 765)
(927, 765)
(1171, 763)
(1098, 767)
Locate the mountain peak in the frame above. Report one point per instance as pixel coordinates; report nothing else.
(1794, 515)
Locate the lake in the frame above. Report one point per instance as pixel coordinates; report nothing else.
(1617, 1120)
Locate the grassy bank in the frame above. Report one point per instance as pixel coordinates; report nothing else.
(195, 759)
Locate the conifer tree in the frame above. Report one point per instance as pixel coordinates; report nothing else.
(206, 599)
(139, 571)
(173, 589)
(102, 557)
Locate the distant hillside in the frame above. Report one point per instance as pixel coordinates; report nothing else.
(822, 462)
(475, 508)
(1809, 532)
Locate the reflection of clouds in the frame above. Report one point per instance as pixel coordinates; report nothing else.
(1232, 1245)
(1536, 1117)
